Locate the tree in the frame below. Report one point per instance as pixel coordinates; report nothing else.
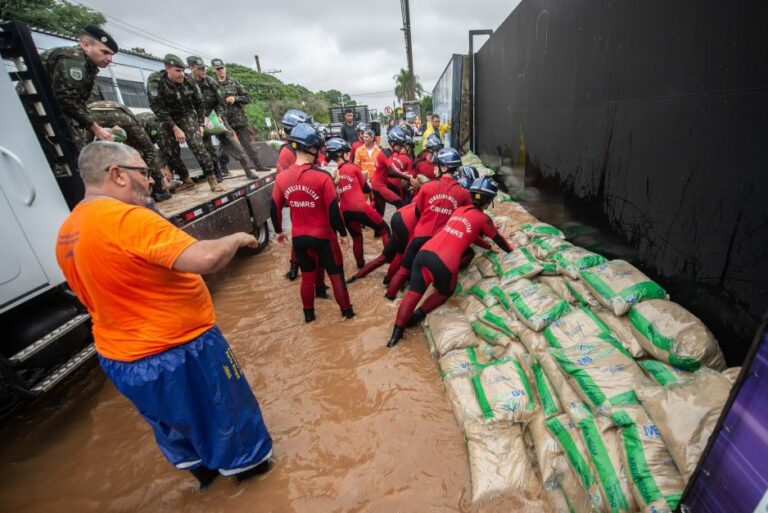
(52, 15)
(141, 51)
(403, 85)
(337, 98)
(426, 105)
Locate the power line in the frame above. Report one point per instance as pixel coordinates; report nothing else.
(138, 31)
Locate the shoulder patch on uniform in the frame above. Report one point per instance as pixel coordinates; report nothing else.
(76, 73)
(152, 88)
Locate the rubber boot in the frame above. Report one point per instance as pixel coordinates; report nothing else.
(250, 174)
(309, 314)
(351, 279)
(186, 185)
(397, 334)
(348, 313)
(261, 468)
(418, 316)
(322, 292)
(293, 273)
(204, 475)
(213, 184)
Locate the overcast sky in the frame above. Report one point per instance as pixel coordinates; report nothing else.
(355, 47)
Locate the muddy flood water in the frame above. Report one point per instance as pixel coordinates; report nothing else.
(356, 426)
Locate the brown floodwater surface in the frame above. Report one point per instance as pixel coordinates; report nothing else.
(356, 426)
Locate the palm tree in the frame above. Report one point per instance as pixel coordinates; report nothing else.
(402, 86)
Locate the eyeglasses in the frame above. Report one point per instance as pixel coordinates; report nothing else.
(143, 169)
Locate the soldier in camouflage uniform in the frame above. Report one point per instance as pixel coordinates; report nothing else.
(176, 101)
(213, 100)
(109, 114)
(73, 70)
(236, 97)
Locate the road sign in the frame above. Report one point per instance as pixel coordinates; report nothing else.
(388, 110)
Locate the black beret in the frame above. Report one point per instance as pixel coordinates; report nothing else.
(101, 36)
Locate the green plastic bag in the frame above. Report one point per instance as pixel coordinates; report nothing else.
(213, 125)
(518, 264)
(541, 230)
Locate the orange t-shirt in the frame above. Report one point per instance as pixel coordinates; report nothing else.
(366, 161)
(118, 258)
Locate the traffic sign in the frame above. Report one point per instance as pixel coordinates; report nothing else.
(388, 110)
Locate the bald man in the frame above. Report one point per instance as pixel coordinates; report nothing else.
(153, 319)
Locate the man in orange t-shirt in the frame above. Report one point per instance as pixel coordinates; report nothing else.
(153, 319)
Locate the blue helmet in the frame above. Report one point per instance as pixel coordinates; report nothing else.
(361, 127)
(396, 136)
(304, 136)
(466, 175)
(433, 143)
(293, 117)
(484, 187)
(449, 157)
(336, 145)
(409, 141)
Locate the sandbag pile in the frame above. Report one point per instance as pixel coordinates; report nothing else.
(575, 379)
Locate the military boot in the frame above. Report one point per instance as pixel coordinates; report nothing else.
(186, 185)
(213, 183)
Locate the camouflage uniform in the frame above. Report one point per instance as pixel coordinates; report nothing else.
(72, 77)
(213, 100)
(109, 114)
(180, 105)
(236, 115)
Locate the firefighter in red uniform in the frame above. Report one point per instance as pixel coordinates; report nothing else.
(355, 210)
(285, 159)
(438, 262)
(435, 202)
(402, 223)
(310, 194)
(389, 172)
(425, 163)
(287, 155)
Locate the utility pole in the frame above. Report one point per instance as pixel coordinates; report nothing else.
(406, 9)
(258, 64)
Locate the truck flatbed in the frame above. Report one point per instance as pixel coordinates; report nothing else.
(243, 206)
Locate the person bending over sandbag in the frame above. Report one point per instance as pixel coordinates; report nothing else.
(437, 263)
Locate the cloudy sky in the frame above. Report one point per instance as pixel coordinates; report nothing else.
(355, 47)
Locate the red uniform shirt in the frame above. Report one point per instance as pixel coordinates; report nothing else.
(311, 196)
(350, 189)
(436, 202)
(408, 215)
(465, 227)
(285, 158)
(384, 165)
(425, 167)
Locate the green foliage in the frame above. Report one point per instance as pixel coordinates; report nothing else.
(270, 97)
(141, 51)
(402, 86)
(426, 106)
(52, 15)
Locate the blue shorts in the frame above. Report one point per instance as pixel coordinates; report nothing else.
(198, 403)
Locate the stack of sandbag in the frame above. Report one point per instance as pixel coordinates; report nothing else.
(492, 401)
(584, 362)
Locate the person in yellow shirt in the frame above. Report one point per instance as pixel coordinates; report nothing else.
(436, 127)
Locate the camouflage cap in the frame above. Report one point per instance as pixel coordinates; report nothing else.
(217, 63)
(173, 60)
(193, 61)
